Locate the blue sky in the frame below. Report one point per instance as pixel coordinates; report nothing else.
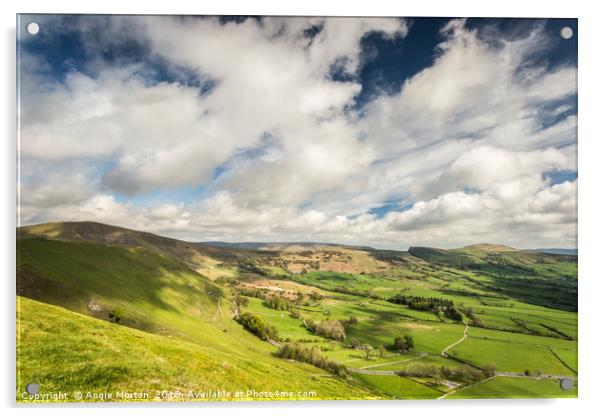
(389, 132)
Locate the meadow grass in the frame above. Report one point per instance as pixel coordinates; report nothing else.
(66, 351)
(397, 387)
(514, 387)
(509, 356)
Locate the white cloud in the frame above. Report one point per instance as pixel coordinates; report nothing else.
(281, 155)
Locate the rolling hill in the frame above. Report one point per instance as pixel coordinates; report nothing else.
(178, 303)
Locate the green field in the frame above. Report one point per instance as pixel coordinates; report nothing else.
(179, 304)
(399, 387)
(66, 351)
(513, 387)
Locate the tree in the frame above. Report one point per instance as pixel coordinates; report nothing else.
(488, 370)
(453, 313)
(403, 344)
(381, 351)
(327, 329)
(409, 341)
(368, 351)
(116, 315)
(280, 303)
(256, 325)
(355, 343)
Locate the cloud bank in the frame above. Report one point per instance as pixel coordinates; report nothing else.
(255, 130)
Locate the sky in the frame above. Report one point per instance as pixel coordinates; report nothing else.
(388, 132)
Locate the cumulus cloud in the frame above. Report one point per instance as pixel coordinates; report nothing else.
(275, 146)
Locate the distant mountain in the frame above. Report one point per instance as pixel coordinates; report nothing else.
(276, 246)
(492, 257)
(560, 251)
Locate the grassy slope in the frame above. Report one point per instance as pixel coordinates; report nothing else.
(154, 280)
(399, 387)
(158, 294)
(66, 351)
(513, 387)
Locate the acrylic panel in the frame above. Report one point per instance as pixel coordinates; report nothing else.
(243, 208)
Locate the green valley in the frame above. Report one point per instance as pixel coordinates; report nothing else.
(104, 308)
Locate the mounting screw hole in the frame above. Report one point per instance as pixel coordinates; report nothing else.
(33, 28)
(566, 32)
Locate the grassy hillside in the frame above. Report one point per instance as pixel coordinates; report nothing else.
(178, 301)
(538, 278)
(65, 351)
(195, 255)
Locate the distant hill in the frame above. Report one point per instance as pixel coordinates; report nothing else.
(110, 235)
(277, 246)
(213, 260)
(488, 247)
(493, 258)
(560, 251)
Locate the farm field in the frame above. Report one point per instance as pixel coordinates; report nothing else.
(399, 387)
(514, 387)
(348, 323)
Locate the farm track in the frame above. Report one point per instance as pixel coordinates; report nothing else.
(219, 307)
(444, 352)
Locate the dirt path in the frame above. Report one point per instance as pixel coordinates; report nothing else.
(219, 307)
(444, 352)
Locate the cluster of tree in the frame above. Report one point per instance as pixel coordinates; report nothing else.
(474, 320)
(350, 291)
(368, 350)
(366, 293)
(311, 355)
(331, 329)
(463, 374)
(295, 314)
(421, 302)
(240, 300)
(452, 313)
(256, 325)
(250, 266)
(403, 344)
(430, 304)
(224, 280)
(252, 292)
(280, 303)
(350, 321)
(315, 296)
